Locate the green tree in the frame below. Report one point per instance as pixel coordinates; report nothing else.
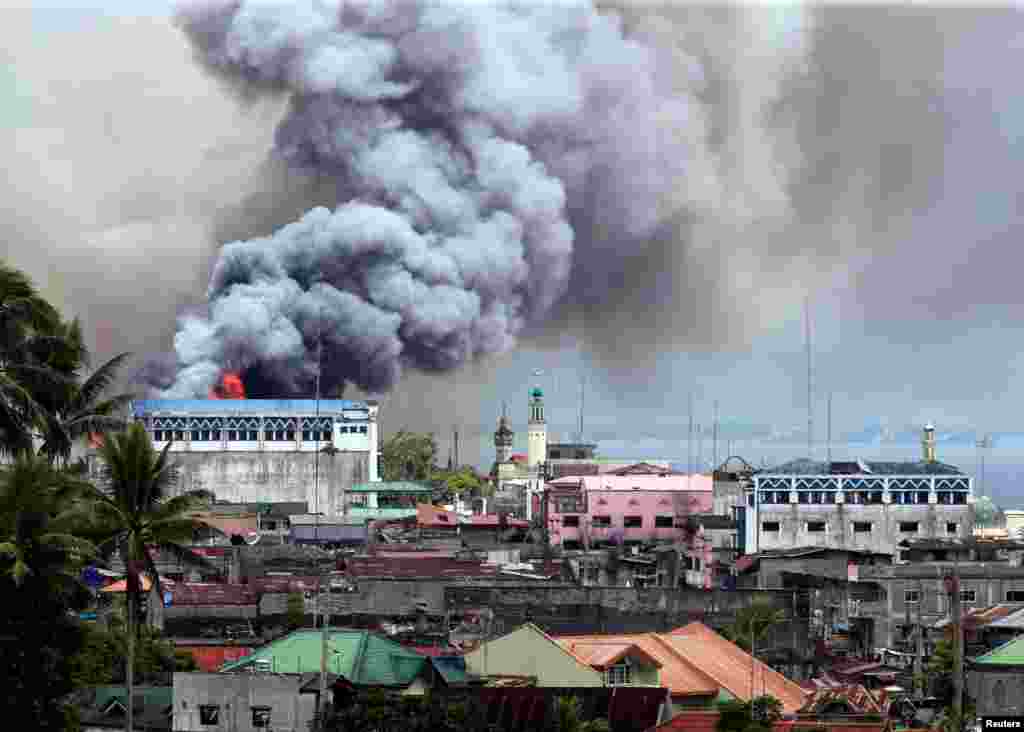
(134, 512)
(569, 717)
(759, 715)
(40, 564)
(753, 623)
(102, 658)
(459, 482)
(408, 456)
(295, 611)
(30, 328)
(80, 409)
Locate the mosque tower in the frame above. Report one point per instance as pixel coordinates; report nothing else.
(537, 432)
(503, 439)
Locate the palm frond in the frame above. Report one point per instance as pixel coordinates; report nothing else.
(99, 381)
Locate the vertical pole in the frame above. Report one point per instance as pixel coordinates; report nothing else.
(689, 441)
(828, 442)
(810, 380)
(714, 441)
(316, 443)
(753, 662)
(920, 655)
(958, 644)
(323, 662)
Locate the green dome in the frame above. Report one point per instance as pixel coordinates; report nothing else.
(536, 393)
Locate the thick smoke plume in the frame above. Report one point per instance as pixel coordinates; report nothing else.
(484, 159)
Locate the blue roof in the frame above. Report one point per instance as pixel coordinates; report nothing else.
(243, 406)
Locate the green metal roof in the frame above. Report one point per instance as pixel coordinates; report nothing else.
(392, 486)
(153, 696)
(1009, 654)
(359, 656)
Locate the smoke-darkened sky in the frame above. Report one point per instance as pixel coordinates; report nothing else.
(869, 156)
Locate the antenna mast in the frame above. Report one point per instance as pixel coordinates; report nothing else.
(714, 441)
(828, 447)
(689, 442)
(810, 379)
(457, 463)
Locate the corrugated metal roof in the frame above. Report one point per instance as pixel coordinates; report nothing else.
(1014, 620)
(804, 466)
(730, 665)
(1009, 654)
(305, 407)
(680, 676)
(361, 657)
(601, 655)
(452, 669)
(199, 594)
(392, 486)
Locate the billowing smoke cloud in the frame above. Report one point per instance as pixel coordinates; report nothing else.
(487, 162)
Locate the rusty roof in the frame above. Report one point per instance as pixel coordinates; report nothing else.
(856, 698)
(680, 676)
(602, 654)
(730, 666)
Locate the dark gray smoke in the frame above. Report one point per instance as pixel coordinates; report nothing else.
(483, 159)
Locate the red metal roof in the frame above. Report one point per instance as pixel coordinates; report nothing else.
(211, 658)
(284, 584)
(196, 594)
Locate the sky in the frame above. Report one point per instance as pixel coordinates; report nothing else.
(123, 154)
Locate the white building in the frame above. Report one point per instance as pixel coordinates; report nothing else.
(272, 450)
(865, 505)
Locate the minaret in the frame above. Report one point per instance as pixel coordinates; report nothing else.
(503, 438)
(537, 433)
(928, 443)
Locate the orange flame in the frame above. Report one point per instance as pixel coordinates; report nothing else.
(230, 387)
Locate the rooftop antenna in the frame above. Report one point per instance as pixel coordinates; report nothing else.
(828, 440)
(456, 447)
(316, 432)
(689, 441)
(714, 441)
(810, 379)
(582, 392)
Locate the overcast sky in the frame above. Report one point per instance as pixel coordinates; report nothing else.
(120, 153)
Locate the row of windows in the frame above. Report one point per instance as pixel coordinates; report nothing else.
(948, 498)
(859, 527)
(913, 597)
(251, 435)
(628, 522)
(209, 716)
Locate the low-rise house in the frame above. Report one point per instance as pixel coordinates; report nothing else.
(204, 702)
(386, 500)
(358, 657)
(996, 681)
(103, 708)
(698, 666)
(529, 651)
(328, 531)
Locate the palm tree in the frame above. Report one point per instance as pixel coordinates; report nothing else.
(77, 411)
(40, 562)
(134, 512)
(29, 325)
(34, 529)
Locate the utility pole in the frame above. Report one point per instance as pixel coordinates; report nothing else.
(810, 380)
(828, 439)
(714, 441)
(958, 645)
(689, 442)
(322, 711)
(919, 656)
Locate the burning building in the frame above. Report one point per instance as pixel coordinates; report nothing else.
(272, 450)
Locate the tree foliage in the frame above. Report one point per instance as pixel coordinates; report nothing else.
(408, 456)
(460, 482)
(759, 715)
(753, 621)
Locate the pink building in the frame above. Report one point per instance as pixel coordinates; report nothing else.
(586, 512)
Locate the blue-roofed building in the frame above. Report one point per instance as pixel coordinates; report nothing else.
(858, 504)
(268, 450)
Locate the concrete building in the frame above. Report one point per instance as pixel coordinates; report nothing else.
(537, 434)
(268, 450)
(242, 702)
(623, 508)
(914, 587)
(857, 504)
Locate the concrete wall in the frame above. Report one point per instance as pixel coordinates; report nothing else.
(885, 519)
(272, 477)
(236, 695)
(997, 693)
(526, 652)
